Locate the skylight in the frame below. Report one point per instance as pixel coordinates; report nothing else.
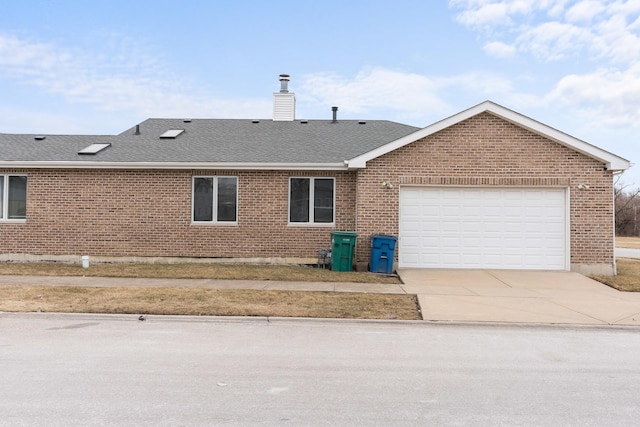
(172, 133)
(94, 148)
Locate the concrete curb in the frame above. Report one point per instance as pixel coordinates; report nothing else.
(133, 318)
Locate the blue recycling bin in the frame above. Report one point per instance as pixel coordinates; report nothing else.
(383, 249)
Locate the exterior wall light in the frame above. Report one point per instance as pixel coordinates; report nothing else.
(387, 184)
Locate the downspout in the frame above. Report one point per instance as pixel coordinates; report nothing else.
(613, 225)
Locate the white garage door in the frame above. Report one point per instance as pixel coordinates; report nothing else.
(501, 228)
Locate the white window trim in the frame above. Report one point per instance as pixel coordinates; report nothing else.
(215, 200)
(311, 221)
(4, 217)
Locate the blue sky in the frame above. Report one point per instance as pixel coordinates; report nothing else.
(100, 67)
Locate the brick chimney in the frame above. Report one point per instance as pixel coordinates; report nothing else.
(284, 102)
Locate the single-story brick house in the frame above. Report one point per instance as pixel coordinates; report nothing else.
(484, 188)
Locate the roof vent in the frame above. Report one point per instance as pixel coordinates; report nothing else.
(40, 137)
(335, 114)
(94, 148)
(171, 134)
(304, 122)
(187, 120)
(137, 132)
(362, 122)
(255, 121)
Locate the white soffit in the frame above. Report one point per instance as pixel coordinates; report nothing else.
(611, 161)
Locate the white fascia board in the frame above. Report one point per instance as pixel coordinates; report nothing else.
(611, 161)
(172, 165)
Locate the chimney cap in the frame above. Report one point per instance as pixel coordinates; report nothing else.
(284, 83)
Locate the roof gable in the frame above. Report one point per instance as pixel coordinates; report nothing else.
(611, 161)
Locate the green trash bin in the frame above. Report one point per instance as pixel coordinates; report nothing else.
(343, 245)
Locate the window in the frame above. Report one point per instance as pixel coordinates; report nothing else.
(13, 197)
(311, 200)
(215, 199)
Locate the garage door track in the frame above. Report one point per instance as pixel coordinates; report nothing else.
(518, 296)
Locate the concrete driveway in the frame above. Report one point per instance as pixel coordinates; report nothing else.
(519, 297)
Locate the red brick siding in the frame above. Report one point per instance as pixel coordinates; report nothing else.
(488, 151)
(148, 213)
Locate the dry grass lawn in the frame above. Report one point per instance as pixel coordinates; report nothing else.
(628, 242)
(200, 301)
(207, 302)
(628, 278)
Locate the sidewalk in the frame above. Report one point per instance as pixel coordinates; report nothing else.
(272, 285)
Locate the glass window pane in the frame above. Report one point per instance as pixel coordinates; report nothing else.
(299, 200)
(227, 196)
(17, 197)
(203, 199)
(1, 197)
(323, 200)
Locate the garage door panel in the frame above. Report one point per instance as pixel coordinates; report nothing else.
(483, 228)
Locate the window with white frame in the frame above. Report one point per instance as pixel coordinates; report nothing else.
(311, 200)
(13, 197)
(215, 199)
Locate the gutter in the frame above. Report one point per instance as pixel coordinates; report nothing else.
(171, 165)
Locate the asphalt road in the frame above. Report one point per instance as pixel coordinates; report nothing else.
(82, 370)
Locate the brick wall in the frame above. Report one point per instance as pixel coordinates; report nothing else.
(488, 151)
(148, 213)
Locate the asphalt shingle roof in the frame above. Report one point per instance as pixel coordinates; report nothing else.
(216, 141)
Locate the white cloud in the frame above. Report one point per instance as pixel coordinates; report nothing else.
(584, 11)
(499, 49)
(550, 31)
(609, 96)
(402, 96)
(617, 40)
(485, 15)
(374, 89)
(556, 8)
(553, 40)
